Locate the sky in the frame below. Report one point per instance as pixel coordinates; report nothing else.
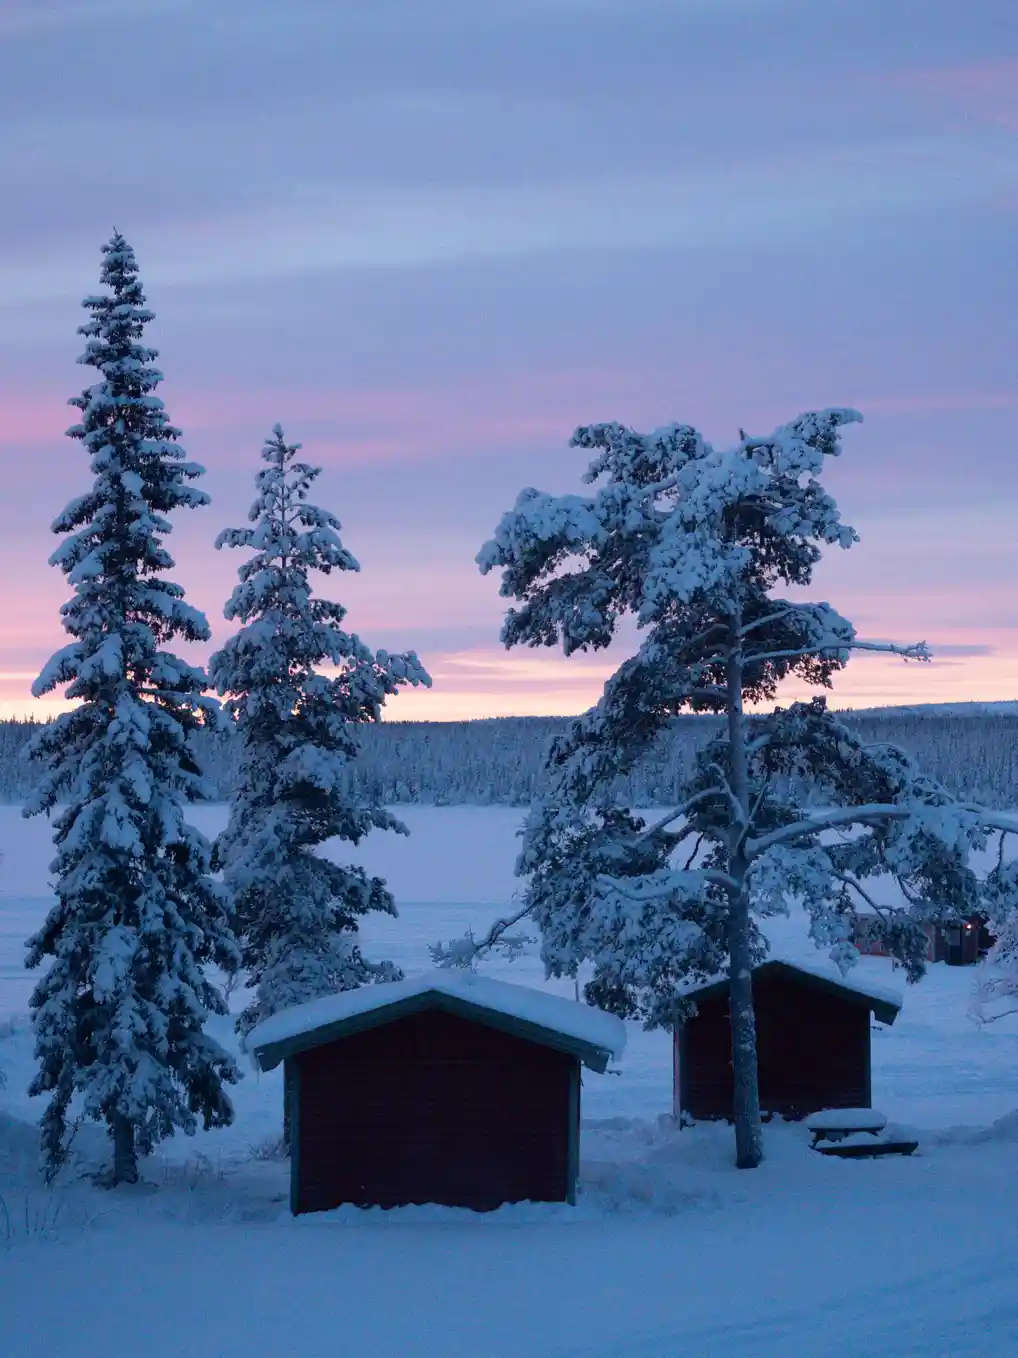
(431, 237)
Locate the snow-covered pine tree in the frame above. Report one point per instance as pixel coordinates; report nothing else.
(693, 543)
(297, 912)
(120, 1015)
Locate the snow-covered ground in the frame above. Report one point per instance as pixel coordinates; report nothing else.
(669, 1252)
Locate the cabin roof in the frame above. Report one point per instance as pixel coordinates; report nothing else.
(550, 1020)
(884, 1002)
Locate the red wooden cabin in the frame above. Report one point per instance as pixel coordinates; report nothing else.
(446, 1088)
(959, 945)
(813, 1043)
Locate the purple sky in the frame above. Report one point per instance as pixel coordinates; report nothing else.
(432, 236)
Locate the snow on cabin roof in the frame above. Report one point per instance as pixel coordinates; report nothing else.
(589, 1033)
(885, 1001)
(862, 985)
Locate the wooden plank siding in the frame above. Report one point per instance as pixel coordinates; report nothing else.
(813, 1051)
(434, 1108)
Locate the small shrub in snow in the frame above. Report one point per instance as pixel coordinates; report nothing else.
(30, 1216)
(272, 1148)
(119, 1015)
(296, 911)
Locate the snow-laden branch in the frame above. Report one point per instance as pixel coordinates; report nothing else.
(869, 814)
(668, 885)
(679, 813)
(770, 618)
(917, 652)
(863, 893)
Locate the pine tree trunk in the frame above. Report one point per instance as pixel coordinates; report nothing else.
(746, 1089)
(125, 1158)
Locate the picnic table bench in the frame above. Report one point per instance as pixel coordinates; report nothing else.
(855, 1133)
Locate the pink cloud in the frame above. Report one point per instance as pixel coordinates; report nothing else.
(987, 90)
(409, 422)
(369, 423)
(38, 418)
(932, 402)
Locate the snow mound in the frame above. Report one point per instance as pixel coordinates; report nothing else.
(1004, 1131)
(846, 1119)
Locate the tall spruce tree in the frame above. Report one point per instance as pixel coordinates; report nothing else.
(694, 542)
(297, 913)
(120, 1014)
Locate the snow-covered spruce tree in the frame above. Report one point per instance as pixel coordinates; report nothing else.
(119, 1016)
(694, 543)
(296, 912)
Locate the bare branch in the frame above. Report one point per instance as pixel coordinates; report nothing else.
(463, 952)
(679, 812)
(500, 926)
(877, 909)
(703, 636)
(917, 651)
(780, 616)
(907, 891)
(736, 805)
(793, 654)
(720, 879)
(757, 803)
(977, 1012)
(692, 857)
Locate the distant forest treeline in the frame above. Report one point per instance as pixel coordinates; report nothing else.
(498, 762)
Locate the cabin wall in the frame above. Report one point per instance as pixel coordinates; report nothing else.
(962, 945)
(813, 1051)
(435, 1108)
(867, 938)
(957, 945)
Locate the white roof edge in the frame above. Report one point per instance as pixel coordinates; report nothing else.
(886, 994)
(873, 990)
(554, 1013)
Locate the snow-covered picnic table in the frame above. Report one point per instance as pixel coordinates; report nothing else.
(851, 1132)
(833, 1124)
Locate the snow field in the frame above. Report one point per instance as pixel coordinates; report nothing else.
(669, 1252)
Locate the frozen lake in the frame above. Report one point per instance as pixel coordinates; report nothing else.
(669, 1252)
